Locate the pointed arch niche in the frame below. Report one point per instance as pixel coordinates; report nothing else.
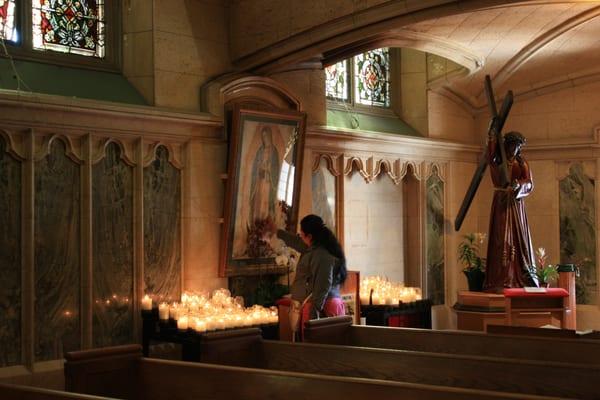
(10, 252)
(327, 191)
(577, 215)
(412, 194)
(381, 203)
(391, 215)
(434, 237)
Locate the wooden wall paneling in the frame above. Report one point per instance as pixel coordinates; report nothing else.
(113, 247)
(11, 303)
(57, 249)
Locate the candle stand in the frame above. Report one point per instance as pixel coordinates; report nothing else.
(416, 314)
(193, 343)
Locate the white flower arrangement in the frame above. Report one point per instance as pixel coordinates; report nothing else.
(285, 256)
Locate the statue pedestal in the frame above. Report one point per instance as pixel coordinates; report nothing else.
(476, 310)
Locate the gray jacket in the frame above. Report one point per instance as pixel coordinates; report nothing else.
(314, 272)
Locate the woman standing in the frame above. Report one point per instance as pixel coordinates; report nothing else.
(321, 269)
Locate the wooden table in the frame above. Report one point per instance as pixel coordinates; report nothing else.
(521, 303)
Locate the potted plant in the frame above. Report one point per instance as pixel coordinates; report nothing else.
(474, 264)
(546, 273)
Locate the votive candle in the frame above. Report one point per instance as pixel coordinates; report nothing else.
(146, 303)
(163, 311)
(182, 323)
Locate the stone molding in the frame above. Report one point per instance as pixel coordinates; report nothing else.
(406, 38)
(353, 28)
(49, 113)
(242, 88)
(392, 155)
(565, 149)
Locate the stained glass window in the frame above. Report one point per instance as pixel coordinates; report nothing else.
(336, 81)
(69, 26)
(7, 20)
(371, 78)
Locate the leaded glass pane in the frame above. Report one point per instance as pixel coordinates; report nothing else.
(7, 20)
(371, 78)
(336, 81)
(69, 26)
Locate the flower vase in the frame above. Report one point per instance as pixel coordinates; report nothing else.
(475, 279)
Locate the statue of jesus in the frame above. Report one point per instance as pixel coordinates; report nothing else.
(510, 257)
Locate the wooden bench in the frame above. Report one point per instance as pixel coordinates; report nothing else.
(542, 332)
(339, 330)
(102, 371)
(456, 370)
(20, 392)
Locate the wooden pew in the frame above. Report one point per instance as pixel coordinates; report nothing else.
(339, 330)
(98, 371)
(464, 371)
(541, 332)
(20, 392)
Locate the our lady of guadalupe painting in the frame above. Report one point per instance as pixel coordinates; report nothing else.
(265, 160)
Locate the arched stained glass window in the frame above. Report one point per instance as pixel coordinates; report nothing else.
(7, 20)
(336, 81)
(360, 80)
(371, 81)
(69, 26)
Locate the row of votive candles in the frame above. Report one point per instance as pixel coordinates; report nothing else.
(376, 299)
(216, 323)
(234, 317)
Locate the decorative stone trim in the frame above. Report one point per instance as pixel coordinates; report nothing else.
(11, 147)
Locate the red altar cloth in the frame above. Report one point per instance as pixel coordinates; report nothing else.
(550, 292)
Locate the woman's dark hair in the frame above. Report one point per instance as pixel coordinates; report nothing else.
(322, 236)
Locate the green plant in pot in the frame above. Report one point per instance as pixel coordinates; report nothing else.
(546, 273)
(474, 265)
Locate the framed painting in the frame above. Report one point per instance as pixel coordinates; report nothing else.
(263, 188)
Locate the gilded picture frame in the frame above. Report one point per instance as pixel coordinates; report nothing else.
(263, 187)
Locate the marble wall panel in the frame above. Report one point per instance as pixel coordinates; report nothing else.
(57, 254)
(577, 211)
(10, 258)
(162, 228)
(435, 240)
(323, 195)
(112, 224)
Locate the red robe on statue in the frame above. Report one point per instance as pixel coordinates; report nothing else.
(510, 252)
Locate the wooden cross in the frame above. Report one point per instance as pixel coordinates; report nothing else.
(495, 128)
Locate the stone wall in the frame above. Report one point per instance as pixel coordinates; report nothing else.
(172, 47)
(117, 202)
